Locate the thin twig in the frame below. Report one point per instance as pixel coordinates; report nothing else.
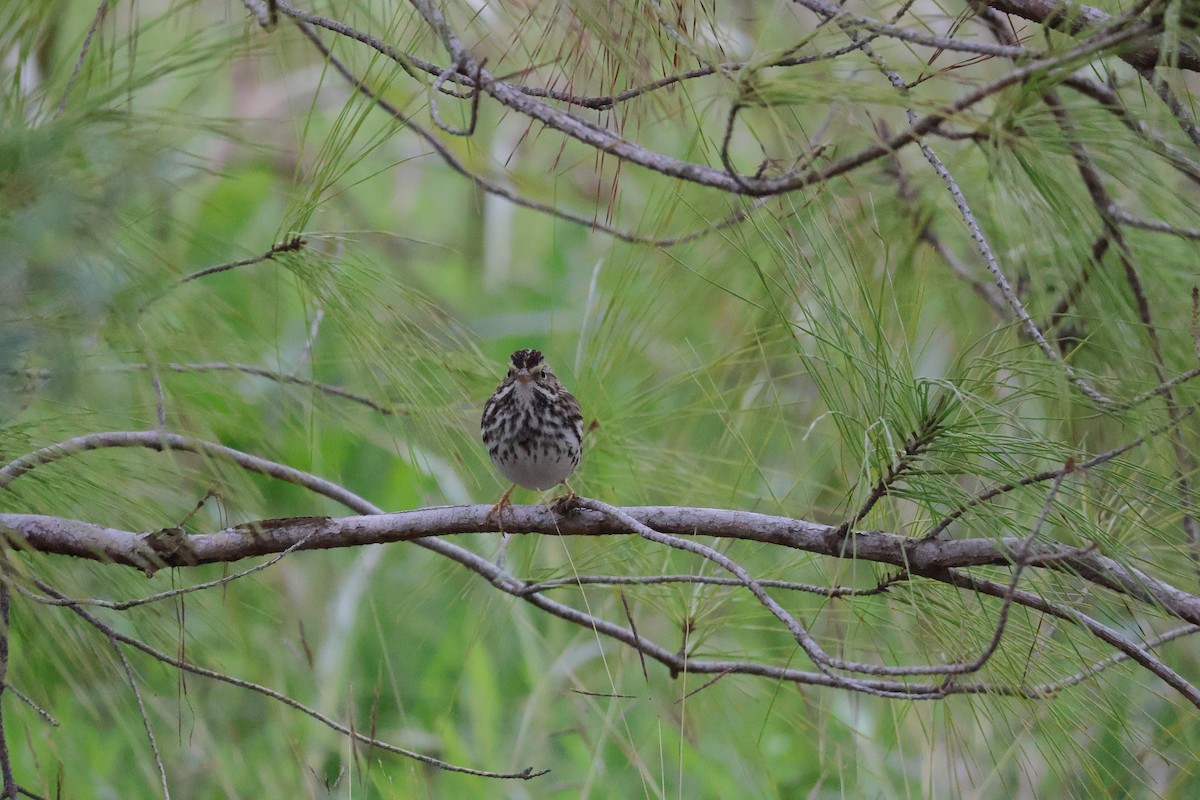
(10, 783)
(166, 442)
(706, 684)
(292, 245)
(1125, 218)
(1185, 462)
(633, 627)
(918, 443)
(24, 698)
(1040, 477)
(160, 403)
(612, 142)
(730, 169)
(249, 369)
(137, 693)
(811, 647)
(483, 183)
(115, 635)
(1020, 557)
(711, 580)
(1094, 669)
(1196, 320)
(1002, 282)
(1136, 652)
(1111, 102)
(97, 21)
(851, 21)
(923, 222)
(474, 97)
(1176, 106)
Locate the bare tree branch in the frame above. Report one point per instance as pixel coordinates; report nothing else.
(116, 636)
(613, 143)
(921, 557)
(1138, 653)
(1076, 19)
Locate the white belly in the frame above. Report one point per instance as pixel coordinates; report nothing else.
(537, 470)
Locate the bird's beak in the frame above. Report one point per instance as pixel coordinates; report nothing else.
(523, 376)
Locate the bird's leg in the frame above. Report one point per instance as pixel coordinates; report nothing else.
(566, 503)
(497, 511)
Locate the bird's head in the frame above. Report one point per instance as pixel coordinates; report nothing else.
(527, 365)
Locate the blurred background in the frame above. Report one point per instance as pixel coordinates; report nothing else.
(772, 355)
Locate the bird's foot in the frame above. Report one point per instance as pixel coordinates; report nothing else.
(567, 503)
(497, 512)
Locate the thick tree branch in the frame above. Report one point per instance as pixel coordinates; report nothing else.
(926, 558)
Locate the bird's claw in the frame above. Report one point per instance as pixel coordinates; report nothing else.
(497, 512)
(566, 504)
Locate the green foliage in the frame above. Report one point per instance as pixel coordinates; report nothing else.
(783, 365)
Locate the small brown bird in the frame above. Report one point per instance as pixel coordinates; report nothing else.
(532, 427)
